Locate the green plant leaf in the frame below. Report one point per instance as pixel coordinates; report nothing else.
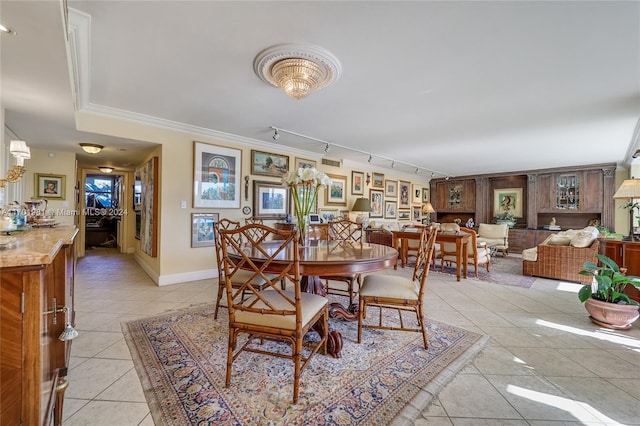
(584, 293)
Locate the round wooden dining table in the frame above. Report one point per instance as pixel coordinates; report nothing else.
(333, 258)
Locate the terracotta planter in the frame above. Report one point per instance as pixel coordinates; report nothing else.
(611, 315)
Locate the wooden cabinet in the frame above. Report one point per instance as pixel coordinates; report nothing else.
(454, 195)
(624, 253)
(33, 361)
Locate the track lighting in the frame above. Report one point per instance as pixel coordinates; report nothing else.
(276, 135)
(328, 145)
(447, 178)
(636, 154)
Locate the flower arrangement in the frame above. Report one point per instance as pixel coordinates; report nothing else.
(304, 185)
(505, 215)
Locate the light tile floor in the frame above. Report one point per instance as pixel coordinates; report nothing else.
(547, 364)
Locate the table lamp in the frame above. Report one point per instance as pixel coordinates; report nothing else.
(427, 209)
(363, 206)
(629, 189)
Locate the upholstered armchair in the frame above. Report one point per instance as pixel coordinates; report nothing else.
(477, 253)
(495, 236)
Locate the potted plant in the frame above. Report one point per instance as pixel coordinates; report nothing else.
(506, 217)
(605, 299)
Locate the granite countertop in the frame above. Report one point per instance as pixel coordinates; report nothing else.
(34, 247)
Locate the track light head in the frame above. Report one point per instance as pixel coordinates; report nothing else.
(276, 135)
(327, 148)
(393, 164)
(370, 158)
(447, 178)
(417, 170)
(636, 154)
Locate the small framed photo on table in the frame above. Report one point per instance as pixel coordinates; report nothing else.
(202, 229)
(50, 186)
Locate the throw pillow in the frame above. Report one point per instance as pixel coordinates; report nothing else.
(585, 237)
(559, 240)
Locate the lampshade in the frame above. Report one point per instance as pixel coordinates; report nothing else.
(91, 148)
(428, 208)
(105, 169)
(362, 205)
(630, 188)
(19, 149)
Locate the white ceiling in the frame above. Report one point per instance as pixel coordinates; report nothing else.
(457, 88)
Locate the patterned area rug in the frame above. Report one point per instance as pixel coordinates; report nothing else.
(503, 271)
(181, 356)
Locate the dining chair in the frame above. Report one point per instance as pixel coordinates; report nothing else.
(352, 233)
(226, 224)
(254, 220)
(477, 252)
(399, 293)
(274, 314)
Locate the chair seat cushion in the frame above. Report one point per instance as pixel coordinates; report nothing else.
(390, 286)
(311, 304)
(241, 276)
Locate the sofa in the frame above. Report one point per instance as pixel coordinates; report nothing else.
(380, 232)
(561, 256)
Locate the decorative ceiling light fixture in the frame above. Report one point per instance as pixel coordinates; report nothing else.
(105, 169)
(297, 68)
(91, 148)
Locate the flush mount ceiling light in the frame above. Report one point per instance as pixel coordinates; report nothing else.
(105, 169)
(297, 68)
(91, 148)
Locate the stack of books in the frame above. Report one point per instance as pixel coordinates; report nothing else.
(552, 227)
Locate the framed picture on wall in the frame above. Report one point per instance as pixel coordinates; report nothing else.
(328, 215)
(336, 192)
(216, 176)
(50, 186)
(202, 229)
(302, 163)
(390, 208)
(378, 180)
(376, 196)
(390, 188)
(404, 191)
(357, 183)
(416, 212)
(268, 164)
(507, 199)
(404, 214)
(271, 200)
(425, 195)
(417, 194)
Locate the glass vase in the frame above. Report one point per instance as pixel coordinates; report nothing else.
(303, 231)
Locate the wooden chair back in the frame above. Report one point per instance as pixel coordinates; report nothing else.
(347, 230)
(425, 254)
(240, 247)
(222, 224)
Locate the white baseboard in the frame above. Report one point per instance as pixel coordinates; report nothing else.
(188, 276)
(184, 277)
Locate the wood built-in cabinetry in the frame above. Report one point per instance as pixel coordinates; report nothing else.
(624, 253)
(573, 196)
(36, 278)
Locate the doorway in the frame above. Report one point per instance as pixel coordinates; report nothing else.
(102, 194)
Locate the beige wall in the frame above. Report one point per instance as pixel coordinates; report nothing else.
(176, 260)
(57, 163)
